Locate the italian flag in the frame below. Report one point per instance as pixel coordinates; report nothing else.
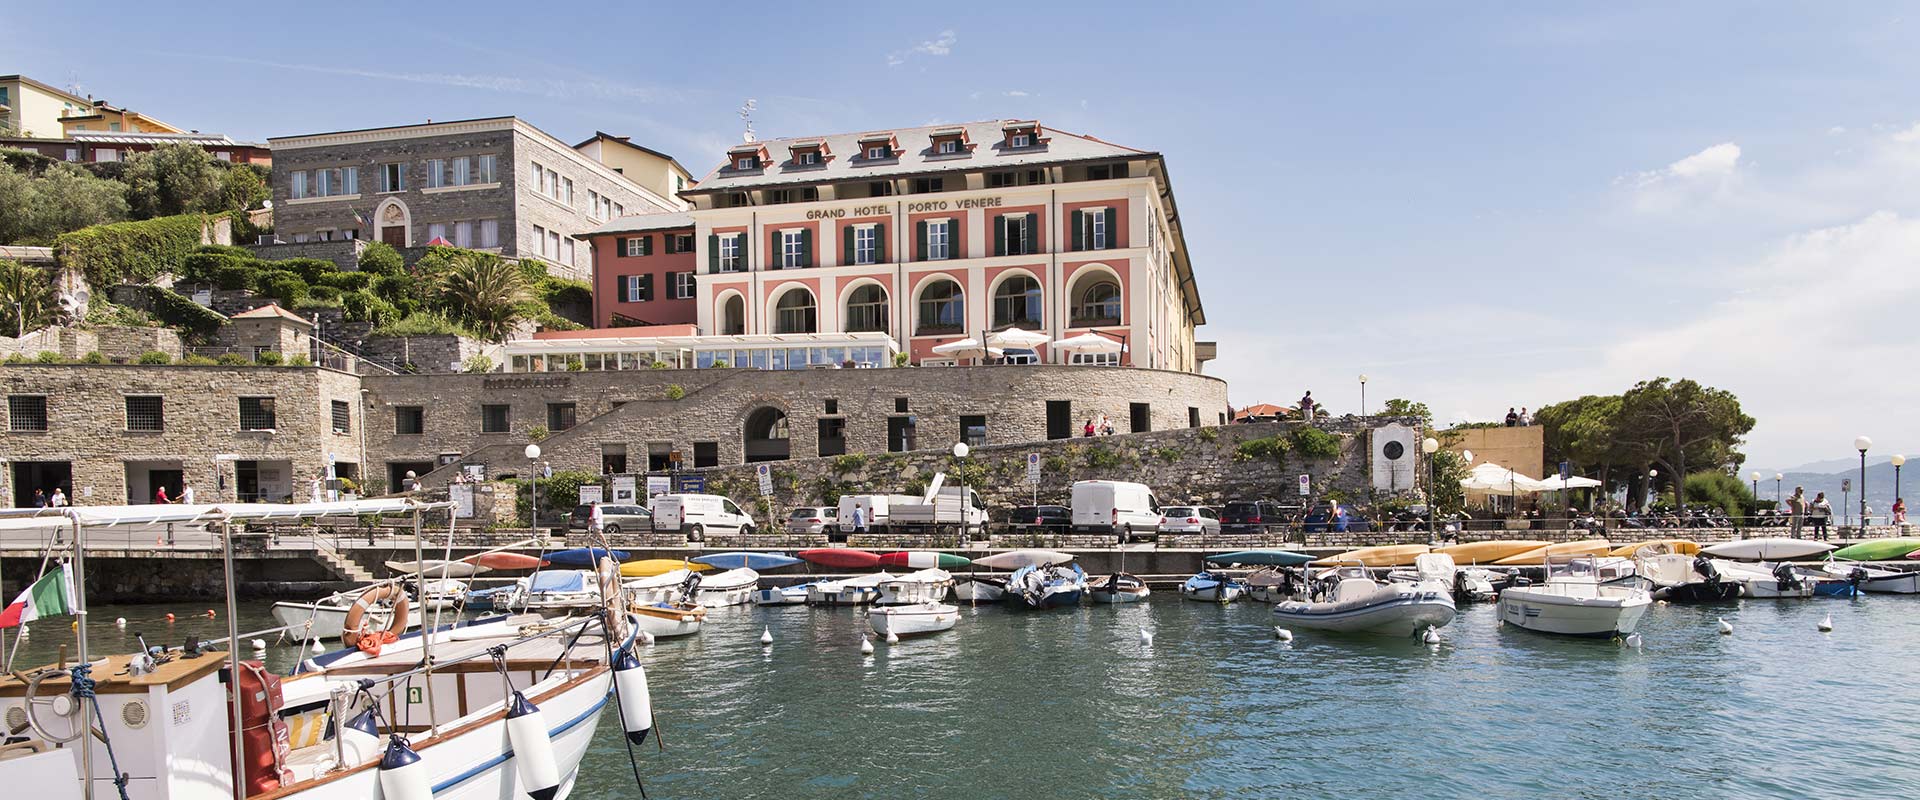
(51, 595)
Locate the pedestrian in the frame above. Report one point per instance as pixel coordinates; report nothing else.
(859, 520)
(1899, 511)
(1822, 513)
(1088, 430)
(1796, 511)
(1306, 406)
(1513, 419)
(160, 496)
(596, 522)
(39, 498)
(1106, 425)
(186, 494)
(1525, 418)
(59, 499)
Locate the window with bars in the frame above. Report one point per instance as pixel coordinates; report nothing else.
(256, 414)
(145, 413)
(409, 420)
(26, 412)
(495, 418)
(560, 416)
(342, 417)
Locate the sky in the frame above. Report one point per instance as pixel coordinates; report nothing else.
(1476, 205)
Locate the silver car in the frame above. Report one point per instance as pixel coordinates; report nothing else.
(811, 520)
(1189, 519)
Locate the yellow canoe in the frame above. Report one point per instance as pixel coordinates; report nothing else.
(1386, 555)
(1536, 557)
(658, 566)
(1490, 551)
(1682, 546)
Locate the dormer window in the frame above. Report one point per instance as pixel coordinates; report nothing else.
(948, 147)
(807, 158)
(1021, 134)
(808, 153)
(1020, 140)
(878, 146)
(878, 151)
(746, 162)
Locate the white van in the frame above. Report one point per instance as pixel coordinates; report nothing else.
(695, 514)
(874, 509)
(1126, 509)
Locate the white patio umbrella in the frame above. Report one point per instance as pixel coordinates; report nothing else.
(1495, 479)
(1572, 482)
(1090, 343)
(966, 348)
(1016, 338)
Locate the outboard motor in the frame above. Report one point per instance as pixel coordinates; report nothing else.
(1856, 577)
(1784, 575)
(689, 586)
(1704, 566)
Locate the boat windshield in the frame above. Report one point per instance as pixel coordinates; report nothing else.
(1572, 568)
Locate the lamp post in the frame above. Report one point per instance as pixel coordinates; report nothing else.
(1363, 395)
(1898, 461)
(1653, 490)
(1429, 446)
(1861, 443)
(533, 487)
(1777, 477)
(960, 450)
(1755, 476)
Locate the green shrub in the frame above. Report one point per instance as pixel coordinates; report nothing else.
(198, 360)
(477, 364)
(231, 360)
(676, 391)
(325, 294)
(558, 493)
(422, 324)
(361, 306)
(1312, 442)
(130, 252)
(176, 311)
(95, 357)
(1719, 490)
(283, 286)
(154, 357)
(537, 432)
(576, 365)
(1167, 454)
(348, 281)
(239, 275)
(310, 270)
(1267, 447)
(720, 363)
(379, 258)
(394, 288)
(267, 358)
(233, 250)
(204, 267)
(1209, 435)
(15, 358)
(659, 365)
(48, 357)
(848, 463)
(902, 359)
(299, 360)
(1099, 457)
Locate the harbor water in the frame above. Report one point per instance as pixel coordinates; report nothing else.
(1072, 703)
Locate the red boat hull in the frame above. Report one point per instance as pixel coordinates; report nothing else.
(841, 557)
(505, 561)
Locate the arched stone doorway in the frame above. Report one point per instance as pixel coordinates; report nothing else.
(767, 436)
(395, 222)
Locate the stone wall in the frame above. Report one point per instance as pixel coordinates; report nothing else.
(116, 343)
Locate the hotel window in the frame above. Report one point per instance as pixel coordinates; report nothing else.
(1098, 304)
(747, 162)
(483, 169)
(462, 171)
(256, 413)
(925, 185)
(864, 238)
(489, 233)
(679, 243)
(1097, 231)
(437, 230)
(299, 189)
(807, 158)
(540, 240)
(568, 194)
(105, 155)
(778, 196)
(1101, 172)
(567, 243)
(682, 285)
(496, 418)
(949, 147)
(638, 246)
(879, 151)
(409, 420)
(1017, 302)
(1092, 228)
(146, 414)
(793, 248)
(880, 189)
(393, 177)
(26, 412)
(867, 310)
(436, 173)
(619, 210)
(795, 313)
(1013, 235)
(463, 234)
(936, 239)
(1020, 140)
(342, 417)
(595, 209)
(553, 245)
(636, 288)
(942, 308)
(726, 257)
(560, 416)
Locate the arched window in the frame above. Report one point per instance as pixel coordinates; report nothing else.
(766, 436)
(942, 308)
(1097, 303)
(1017, 302)
(867, 309)
(795, 313)
(733, 316)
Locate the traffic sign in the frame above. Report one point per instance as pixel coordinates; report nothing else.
(766, 480)
(1033, 468)
(1306, 485)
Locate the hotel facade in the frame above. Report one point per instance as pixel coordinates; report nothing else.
(928, 235)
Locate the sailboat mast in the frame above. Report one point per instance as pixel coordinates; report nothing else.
(79, 579)
(234, 745)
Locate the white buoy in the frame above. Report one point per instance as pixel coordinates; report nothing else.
(1282, 634)
(403, 776)
(359, 739)
(1726, 628)
(1633, 640)
(532, 749)
(766, 636)
(636, 700)
(1431, 636)
(119, 622)
(317, 649)
(646, 638)
(1146, 637)
(866, 646)
(892, 638)
(1826, 625)
(259, 644)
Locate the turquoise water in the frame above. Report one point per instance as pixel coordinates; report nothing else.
(1070, 703)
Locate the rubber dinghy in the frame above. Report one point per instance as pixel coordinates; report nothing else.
(1212, 587)
(1360, 604)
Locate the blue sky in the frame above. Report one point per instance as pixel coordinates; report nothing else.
(1476, 205)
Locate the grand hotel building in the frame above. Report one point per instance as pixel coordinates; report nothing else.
(913, 237)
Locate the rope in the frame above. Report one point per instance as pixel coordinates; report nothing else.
(82, 690)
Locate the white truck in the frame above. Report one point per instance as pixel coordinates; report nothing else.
(941, 506)
(1126, 510)
(695, 514)
(876, 510)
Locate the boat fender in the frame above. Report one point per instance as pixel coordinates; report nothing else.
(403, 776)
(359, 739)
(532, 749)
(636, 700)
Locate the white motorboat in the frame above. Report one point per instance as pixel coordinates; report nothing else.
(731, 588)
(1048, 586)
(1276, 584)
(1360, 604)
(929, 585)
(911, 620)
(553, 590)
(327, 617)
(859, 590)
(1874, 579)
(1469, 583)
(668, 619)
(980, 589)
(1683, 578)
(794, 595)
(1575, 600)
(662, 588)
(1212, 587)
(1120, 587)
(445, 595)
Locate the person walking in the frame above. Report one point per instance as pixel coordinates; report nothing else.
(859, 520)
(1822, 513)
(59, 499)
(39, 498)
(160, 496)
(186, 494)
(1796, 511)
(1899, 511)
(1306, 406)
(1526, 420)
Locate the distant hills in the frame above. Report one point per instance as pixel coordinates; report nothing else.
(1826, 476)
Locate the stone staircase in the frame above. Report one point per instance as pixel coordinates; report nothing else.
(343, 567)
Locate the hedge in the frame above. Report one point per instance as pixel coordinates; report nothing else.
(281, 285)
(379, 258)
(176, 311)
(360, 306)
(347, 281)
(131, 252)
(226, 250)
(310, 270)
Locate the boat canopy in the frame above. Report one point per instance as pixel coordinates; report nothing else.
(566, 580)
(152, 514)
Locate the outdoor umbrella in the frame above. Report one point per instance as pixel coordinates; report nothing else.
(1496, 479)
(1016, 338)
(1090, 343)
(966, 348)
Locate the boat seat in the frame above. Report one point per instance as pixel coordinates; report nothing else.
(1354, 589)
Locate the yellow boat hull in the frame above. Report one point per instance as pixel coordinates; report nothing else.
(658, 566)
(1685, 547)
(1490, 551)
(1536, 557)
(1386, 555)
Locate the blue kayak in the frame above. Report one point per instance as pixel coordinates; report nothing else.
(746, 560)
(1261, 558)
(583, 556)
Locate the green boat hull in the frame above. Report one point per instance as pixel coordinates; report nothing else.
(1877, 550)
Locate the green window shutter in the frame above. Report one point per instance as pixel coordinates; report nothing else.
(880, 243)
(954, 244)
(776, 255)
(806, 247)
(846, 246)
(620, 289)
(1079, 230)
(646, 288)
(1113, 227)
(1000, 235)
(620, 246)
(920, 238)
(713, 252)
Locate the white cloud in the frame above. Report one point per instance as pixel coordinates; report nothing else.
(1015, 93)
(940, 45)
(1720, 159)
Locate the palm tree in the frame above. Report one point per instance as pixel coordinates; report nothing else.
(484, 291)
(26, 297)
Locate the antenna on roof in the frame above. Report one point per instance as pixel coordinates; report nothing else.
(746, 117)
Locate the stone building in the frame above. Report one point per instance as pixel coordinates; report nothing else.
(497, 184)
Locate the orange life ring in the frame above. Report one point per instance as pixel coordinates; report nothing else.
(353, 635)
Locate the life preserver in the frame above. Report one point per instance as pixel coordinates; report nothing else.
(370, 642)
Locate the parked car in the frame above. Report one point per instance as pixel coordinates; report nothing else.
(1128, 510)
(1189, 519)
(695, 514)
(810, 520)
(1039, 519)
(613, 519)
(1254, 516)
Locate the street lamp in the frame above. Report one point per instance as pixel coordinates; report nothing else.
(1777, 477)
(1653, 490)
(1861, 443)
(1755, 475)
(960, 450)
(1363, 395)
(1429, 446)
(1897, 461)
(533, 486)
